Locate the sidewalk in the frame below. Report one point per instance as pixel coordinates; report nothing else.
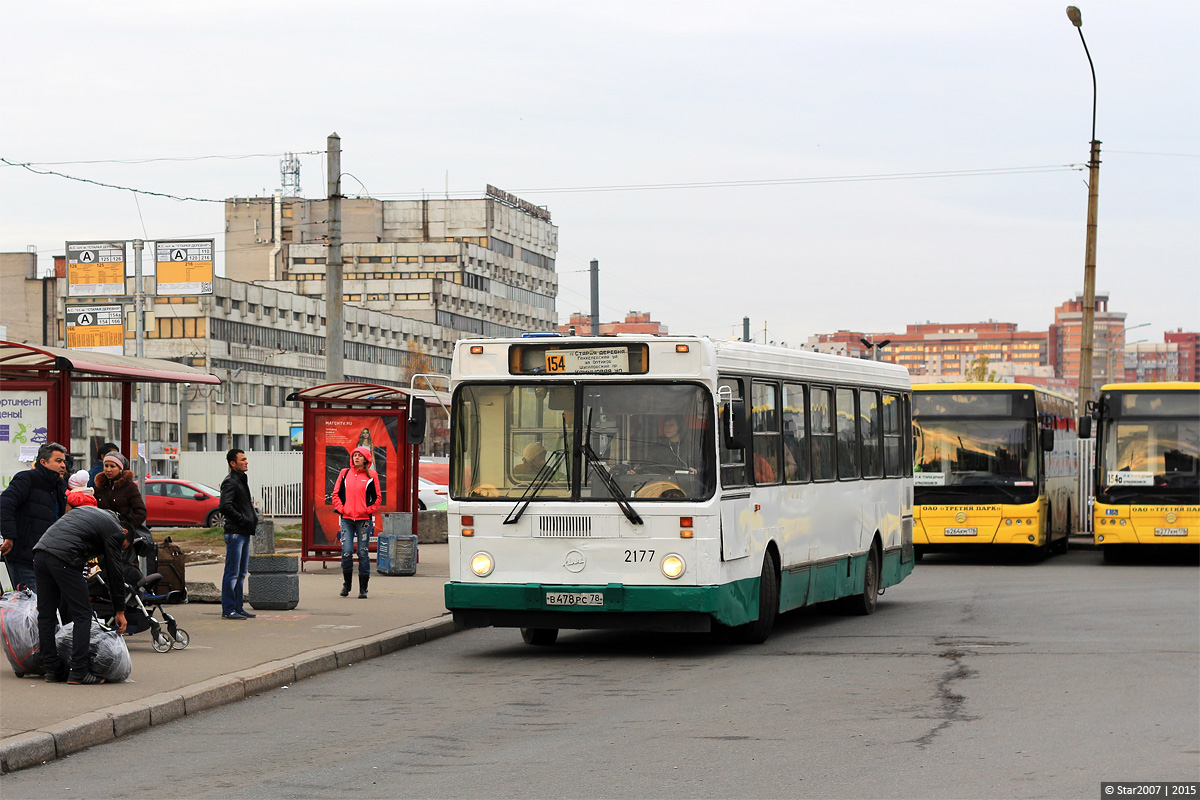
(226, 660)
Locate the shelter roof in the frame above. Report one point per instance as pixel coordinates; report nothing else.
(18, 360)
(364, 394)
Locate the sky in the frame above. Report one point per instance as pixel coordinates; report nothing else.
(810, 165)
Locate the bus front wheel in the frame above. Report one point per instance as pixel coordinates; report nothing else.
(541, 637)
(756, 632)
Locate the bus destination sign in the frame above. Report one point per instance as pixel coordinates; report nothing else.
(588, 361)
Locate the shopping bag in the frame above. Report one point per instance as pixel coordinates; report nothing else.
(108, 656)
(19, 632)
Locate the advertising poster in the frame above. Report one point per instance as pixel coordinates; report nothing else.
(334, 439)
(23, 425)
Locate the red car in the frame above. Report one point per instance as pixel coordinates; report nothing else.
(174, 503)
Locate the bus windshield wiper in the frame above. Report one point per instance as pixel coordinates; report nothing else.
(606, 478)
(536, 485)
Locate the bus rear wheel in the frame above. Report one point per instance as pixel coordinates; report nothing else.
(540, 637)
(756, 632)
(864, 604)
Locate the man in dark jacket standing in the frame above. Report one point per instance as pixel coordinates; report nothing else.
(58, 559)
(33, 501)
(240, 522)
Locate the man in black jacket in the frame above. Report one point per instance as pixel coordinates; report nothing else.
(240, 522)
(58, 559)
(34, 499)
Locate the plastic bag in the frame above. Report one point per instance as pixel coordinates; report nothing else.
(19, 632)
(108, 656)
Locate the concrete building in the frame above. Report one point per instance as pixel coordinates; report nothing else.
(1189, 359)
(635, 322)
(265, 344)
(481, 267)
(1151, 361)
(418, 276)
(1108, 341)
(940, 350)
(29, 300)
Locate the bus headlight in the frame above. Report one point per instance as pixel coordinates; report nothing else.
(673, 566)
(482, 564)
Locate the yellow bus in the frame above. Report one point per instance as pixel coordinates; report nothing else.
(994, 464)
(1147, 453)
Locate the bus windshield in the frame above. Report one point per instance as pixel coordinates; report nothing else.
(1159, 453)
(654, 440)
(980, 453)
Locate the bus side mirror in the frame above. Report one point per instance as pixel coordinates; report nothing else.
(414, 432)
(736, 432)
(1047, 439)
(1084, 427)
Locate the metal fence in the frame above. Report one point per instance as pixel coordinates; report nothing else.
(274, 477)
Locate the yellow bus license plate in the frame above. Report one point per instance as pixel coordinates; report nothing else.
(962, 531)
(574, 598)
(1170, 531)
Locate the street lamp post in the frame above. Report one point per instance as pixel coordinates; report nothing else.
(874, 347)
(229, 408)
(1089, 259)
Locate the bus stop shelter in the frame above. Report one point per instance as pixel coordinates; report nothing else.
(35, 394)
(338, 417)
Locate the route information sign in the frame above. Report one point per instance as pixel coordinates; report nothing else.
(95, 268)
(97, 328)
(184, 267)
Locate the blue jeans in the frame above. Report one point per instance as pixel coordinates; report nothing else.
(352, 532)
(237, 564)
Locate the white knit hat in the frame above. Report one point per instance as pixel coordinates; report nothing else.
(78, 480)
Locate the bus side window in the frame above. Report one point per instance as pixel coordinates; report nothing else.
(869, 428)
(906, 434)
(765, 407)
(893, 450)
(847, 435)
(795, 434)
(733, 462)
(823, 445)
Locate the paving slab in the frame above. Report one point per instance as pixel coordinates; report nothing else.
(226, 659)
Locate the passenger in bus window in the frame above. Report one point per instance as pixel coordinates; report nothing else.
(532, 460)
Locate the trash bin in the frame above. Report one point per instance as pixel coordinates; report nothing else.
(396, 551)
(397, 554)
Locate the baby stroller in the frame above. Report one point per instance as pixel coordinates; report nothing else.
(143, 609)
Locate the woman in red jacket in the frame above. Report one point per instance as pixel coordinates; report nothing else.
(356, 500)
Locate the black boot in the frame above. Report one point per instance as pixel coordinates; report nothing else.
(345, 583)
(362, 586)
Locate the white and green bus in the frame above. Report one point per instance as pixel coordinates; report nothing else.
(672, 483)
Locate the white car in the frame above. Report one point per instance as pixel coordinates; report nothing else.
(431, 496)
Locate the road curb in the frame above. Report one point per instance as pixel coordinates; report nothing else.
(32, 748)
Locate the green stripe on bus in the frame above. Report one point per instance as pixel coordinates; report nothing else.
(732, 604)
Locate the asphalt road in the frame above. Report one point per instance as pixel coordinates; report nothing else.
(975, 678)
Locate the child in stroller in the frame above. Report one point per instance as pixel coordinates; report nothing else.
(143, 608)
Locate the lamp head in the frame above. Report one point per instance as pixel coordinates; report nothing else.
(1075, 17)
